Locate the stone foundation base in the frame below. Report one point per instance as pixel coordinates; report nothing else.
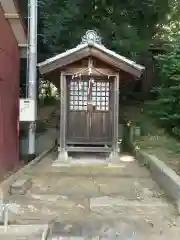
(114, 157)
(61, 159)
(63, 156)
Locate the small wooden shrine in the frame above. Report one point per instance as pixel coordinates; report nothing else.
(88, 77)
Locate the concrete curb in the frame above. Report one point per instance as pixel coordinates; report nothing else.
(23, 229)
(165, 177)
(6, 184)
(26, 231)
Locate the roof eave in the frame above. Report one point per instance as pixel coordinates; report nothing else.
(120, 57)
(14, 18)
(51, 63)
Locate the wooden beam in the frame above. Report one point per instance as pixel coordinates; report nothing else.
(71, 71)
(90, 149)
(22, 45)
(11, 15)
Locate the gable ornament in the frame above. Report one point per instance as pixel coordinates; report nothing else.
(91, 37)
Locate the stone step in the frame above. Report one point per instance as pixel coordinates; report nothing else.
(41, 210)
(129, 170)
(111, 234)
(95, 187)
(35, 211)
(133, 229)
(21, 185)
(22, 232)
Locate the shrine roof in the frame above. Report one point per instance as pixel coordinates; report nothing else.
(91, 46)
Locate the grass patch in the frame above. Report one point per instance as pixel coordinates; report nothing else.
(155, 139)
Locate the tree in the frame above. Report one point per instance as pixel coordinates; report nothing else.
(169, 29)
(127, 26)
(166, 106)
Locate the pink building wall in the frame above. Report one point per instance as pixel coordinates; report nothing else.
(9, 96)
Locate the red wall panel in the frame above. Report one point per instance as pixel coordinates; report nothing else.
(9, 96)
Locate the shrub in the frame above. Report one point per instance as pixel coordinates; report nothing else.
(166, 107)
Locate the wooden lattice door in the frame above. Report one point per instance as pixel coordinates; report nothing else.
(100, 116)
(89, 111)
(77, 116)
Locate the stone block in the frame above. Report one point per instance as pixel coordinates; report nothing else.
(165, 177)
(20, 186)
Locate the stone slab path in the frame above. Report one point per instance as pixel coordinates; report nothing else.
(95, 201)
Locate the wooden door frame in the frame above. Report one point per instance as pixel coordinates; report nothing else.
(111, 92)
(63, 155)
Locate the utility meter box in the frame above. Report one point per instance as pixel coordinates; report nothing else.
(27, 110)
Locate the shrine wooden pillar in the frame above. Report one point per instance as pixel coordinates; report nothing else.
(115, 146)
(63, 156)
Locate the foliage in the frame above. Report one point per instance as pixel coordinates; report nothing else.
(169, 29)
(125, 26)
(166, 107)
(48, 93)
